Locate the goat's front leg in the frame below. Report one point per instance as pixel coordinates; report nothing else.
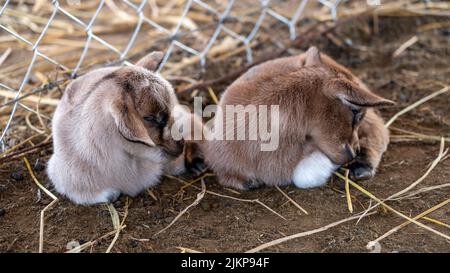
(373, 141)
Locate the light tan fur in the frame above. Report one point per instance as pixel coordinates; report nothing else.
(320, 103)
(111, 133)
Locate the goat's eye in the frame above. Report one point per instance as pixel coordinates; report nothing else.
(357, 116)
(163, 121)
(160, 122)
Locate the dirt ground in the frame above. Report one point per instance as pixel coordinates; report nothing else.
(219, 224)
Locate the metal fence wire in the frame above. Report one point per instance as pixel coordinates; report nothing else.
(15, 81)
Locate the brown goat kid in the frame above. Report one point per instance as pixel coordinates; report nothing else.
(326, 119)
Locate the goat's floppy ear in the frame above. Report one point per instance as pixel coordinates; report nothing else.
(151, 61)
(129, 123)
(312, 57)
(356, 96)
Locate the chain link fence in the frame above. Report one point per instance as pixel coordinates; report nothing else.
(24, 30)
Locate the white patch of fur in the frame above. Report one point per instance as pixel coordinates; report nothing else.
(313, 171)
(106, 196)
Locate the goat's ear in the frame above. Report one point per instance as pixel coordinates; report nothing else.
(312, 57)
(129, 123)
(356, 96)
(151, 61)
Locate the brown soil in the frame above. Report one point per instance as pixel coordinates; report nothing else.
(224, 225)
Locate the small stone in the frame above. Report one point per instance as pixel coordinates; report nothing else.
(2, 211)
(133, 243)
(72, 244)
(205, 233)
(16, 176)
